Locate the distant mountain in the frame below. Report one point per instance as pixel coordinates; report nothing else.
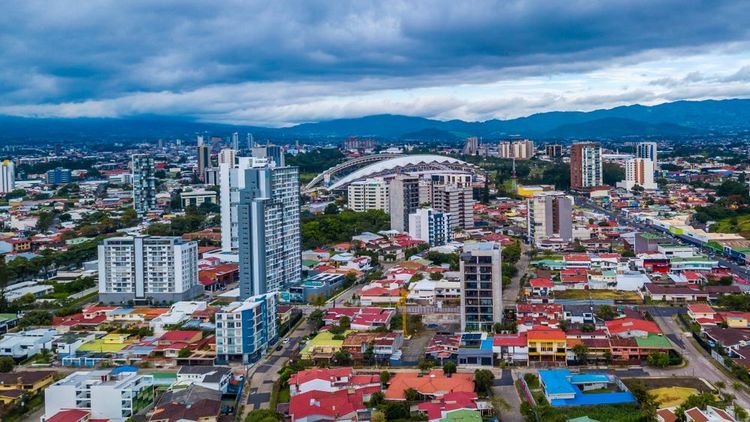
(681, 118)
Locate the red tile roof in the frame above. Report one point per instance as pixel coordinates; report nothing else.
(631, 324)
(69, 415)
(326, 374)
(510, 340)
(327, 405)
(433, 384)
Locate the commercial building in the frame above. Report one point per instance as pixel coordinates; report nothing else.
(244, 330)
(431, 226)
(268, 216)
(273, 153)
(204, 160)
(646, 150)
(481, 286)
(585, 166)
(640, 172)
(148, 268)
(7, 176)
(144, 183)
(549, 214)
(59, 176)
(115, 394)
(553, 150)
(404, 200)
(198, 197)
(368, 194)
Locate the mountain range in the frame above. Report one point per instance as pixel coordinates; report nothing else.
(675, 119)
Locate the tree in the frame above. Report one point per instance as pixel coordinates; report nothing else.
(262, 415)
(426, 364)
(315, 319)
(376, 399)
(331, 209)
(377, 415)
(581, 352)
(646, 400)
(385, 376)
(483, 381)
(658, 359)
(449, 368)
(342, 358)
(345, 322)
(184, 353)
(606, 313)
(612, 173)
(700, 401)
(436, 276)
(6, 363)
(411, 394)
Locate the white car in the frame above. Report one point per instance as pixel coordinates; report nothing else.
(286, 340)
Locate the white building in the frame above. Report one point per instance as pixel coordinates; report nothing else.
(232, 180)
(244, 330)
(481, 286)
(647, 150)
(369, 194)
(178, 313)
(521, 150)
(455, 200)
(198, 197)
(109, 394)
(26, 343)
(431, 226)
(549, 214)
(7, 176)
(585, 166)
(156, 268)
(638, 171)
(211, 377)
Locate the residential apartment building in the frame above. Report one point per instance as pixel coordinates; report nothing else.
(549, 214)
(144, 183)
(197, 197)
(640, 172)
(148, 268)
(59, 176)
(403, 194)
(553, 150)
(431, 226)
(204, 161)
(455, 200)
(521, 150)
(268, 216)
(7, 176)
(114, 394)
(647, 150)
(369, 194)
(481, 286)
(585, 166)
(272, 153)
(244, 330)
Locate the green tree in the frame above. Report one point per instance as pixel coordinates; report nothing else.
(184, 353)
(426, 364)
(581, 351)
(700, 401)
(263, 415)
(315, 319)
(658, 359)
(411, 395)
(377, 415)
(646, 401)
(385, 376)
(612, 173)
(345, 322)
(606, 313)
(449, 368)
(376, 399)
(6, 363)
(483, 381)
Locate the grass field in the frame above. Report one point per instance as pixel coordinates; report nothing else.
(739, 224)
(672, 396)
(597, 294)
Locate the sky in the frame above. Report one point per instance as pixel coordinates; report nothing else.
(280, 63)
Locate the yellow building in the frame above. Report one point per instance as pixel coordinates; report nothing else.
(14, 385)
(546, 345)
(529, 191)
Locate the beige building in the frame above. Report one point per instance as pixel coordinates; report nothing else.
(370, 194)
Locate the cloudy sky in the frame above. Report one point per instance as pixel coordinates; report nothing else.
(279, 63)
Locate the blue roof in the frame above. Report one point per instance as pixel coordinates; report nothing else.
(588, 378)
(121, 369)
(592, 399)
(561, 381)
(487, 344)
(556, 382)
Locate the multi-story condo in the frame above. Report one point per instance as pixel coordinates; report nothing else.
(431, 226)
(585, 166)
(59, 176)
(204, 160)
(113, 394)
(521, 150)
(471, 147)
(549, 214)
(235, 141)
(370, 194)
(403, 191)
(268, 217)
(553, 150)
(638, 171)
(148, 268)
(458, 201)
(144, 183)
(273, 153)
(481, 286)
(228, 156)
(232, 180)
(647, 150)
(7, 176)
(244, 330)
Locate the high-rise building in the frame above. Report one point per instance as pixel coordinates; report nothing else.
(246, 329)
(232, 180)
(403, 191)
(273, 153)
(268, 216)
(481, 286)
(431, 226)
(7, 176)
(144, 183)
(236, 141)
(369, 194)
(638, 171)
(647, 150)
(553, 150)
(204, 161)
(148, 268)
(59, 176)
(353, 143)
(549, 214)
(471, 147)
(585, 166)
(521, 150)
(455, 200)
(228, 156)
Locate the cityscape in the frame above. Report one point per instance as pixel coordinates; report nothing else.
(517, 239)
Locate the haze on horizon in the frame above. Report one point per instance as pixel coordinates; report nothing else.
(282, 63)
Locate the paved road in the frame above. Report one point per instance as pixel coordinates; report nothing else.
(510, 293)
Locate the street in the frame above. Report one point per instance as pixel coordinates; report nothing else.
(510, 292)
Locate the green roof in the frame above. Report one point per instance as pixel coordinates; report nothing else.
(653, 341)
(164, 375)
(650, 236)
(309, 262)
(463, 415)
(8, 317)
(582, 419)
(99, 346)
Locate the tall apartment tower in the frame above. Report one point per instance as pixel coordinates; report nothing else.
(232, 180)
(268, 216)
(553, 150)
(481, 286)
(246, 329)
(236, 141)
(204, 160)
(549, 214)
(431, 226)
(370, 194)
(585, 166)
(7, 176)
(646, 150)
(227, 156)
(638, 171)
(273, 153)
(455, 200)
(148, 268)
(144, 183)
(403, 191)
(471, 147)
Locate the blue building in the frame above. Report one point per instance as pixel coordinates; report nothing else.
(564, 388)
(59, 176)
(321, 284)
(245, 330)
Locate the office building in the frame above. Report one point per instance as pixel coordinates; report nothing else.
(244, 330)
(431, 226)
(404, 200)
(481, 286)
(268, 216)
(59, 176)
(111, 394)
(647, 150)
(549, 214)
(273, 153)
(585, 166)
(148, 269)
(236, 141)
(553, 150)
(198, 197)
(640, 172)
(211, 177)
(458, 201)
(144, 183)
(369, 194)
(7, 176)
(471, 147)
(204, 161)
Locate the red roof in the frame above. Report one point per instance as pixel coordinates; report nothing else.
(327, 405)
(451, 401)
(69, 415)
(327, 374)
(632, 324)
(510, 340)
(577, 258)
(182, 336)
(700, 308)
(541, 282)
(546, 333)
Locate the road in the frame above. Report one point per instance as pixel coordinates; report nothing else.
(510, 293)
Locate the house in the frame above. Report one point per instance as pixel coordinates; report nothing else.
(511, 348)
(26, 343)
(203, 410)
(674, 294)
(715, 292)
(729, 338)
(631, 327)
(564, 388)
(69, 343)
(322, 405)
(381, 345)
(433, 385)
(702, 313)
(13, 385)
(735, 319)
(579, 314)
(546, 344)
(70, 415)
(439, 409)
(711, 414)
(211, 377)
(331, 380)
